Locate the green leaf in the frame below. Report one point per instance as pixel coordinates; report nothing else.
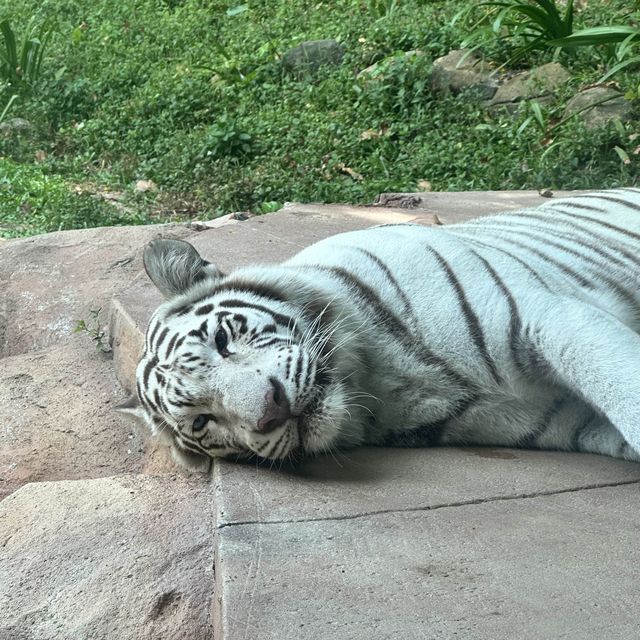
(623, 155)
(597, 35)
(537, 112)
(619, 67)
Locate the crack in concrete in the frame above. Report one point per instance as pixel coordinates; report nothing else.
(434, 507)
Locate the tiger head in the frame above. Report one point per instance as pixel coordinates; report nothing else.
(259, 363)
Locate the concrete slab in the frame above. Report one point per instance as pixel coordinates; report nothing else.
(549, 567)
(378, 480)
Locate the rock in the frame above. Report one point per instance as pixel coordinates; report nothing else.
(58, 420)
(586, 105)
(539, 83)
(49, 282)
(14, 126)
(142, 186)
(126, 558)
(460, 71)
(310, 56)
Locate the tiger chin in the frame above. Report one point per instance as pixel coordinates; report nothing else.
(516, 330)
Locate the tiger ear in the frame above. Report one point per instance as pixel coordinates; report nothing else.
(174, 266)
(131, 407)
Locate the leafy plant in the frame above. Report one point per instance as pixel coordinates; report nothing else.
(527, 25)
(93, 329)
(225, 139)
(626, 39)
(20, 66)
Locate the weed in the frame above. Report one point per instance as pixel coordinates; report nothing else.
(626, 40)
(94, 330)
(527, 25)
(225, 138)
(7, 107)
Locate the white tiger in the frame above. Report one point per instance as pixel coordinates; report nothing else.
(517, 330)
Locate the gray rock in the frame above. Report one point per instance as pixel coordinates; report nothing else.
(461, 71)
(14, 125)
(126, 558)
(310, 56)
(57, 420)
(597, 106)
(540, 83)
(49, 282)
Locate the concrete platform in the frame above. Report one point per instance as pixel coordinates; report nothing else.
(476, 544)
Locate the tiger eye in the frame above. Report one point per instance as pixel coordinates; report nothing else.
(201, 421)
(222, 340)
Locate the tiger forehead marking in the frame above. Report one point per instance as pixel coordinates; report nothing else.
(518, 330)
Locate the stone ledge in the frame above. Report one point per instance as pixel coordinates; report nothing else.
(377, 480)
(459, 206)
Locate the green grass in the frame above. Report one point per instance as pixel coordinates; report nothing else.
(33, 201)
(184, 94)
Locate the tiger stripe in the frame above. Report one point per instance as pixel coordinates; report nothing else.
(532, 233)
(515, 322)
(471, 318)
(394, 325)
(406, 303)
(556, 406)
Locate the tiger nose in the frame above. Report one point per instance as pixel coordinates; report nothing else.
(276, 409)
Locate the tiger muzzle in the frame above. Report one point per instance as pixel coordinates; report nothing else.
(277, 409)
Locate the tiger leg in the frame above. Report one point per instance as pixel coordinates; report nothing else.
(598, 357)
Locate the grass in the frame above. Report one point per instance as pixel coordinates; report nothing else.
(191, 94)
(33, 201)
